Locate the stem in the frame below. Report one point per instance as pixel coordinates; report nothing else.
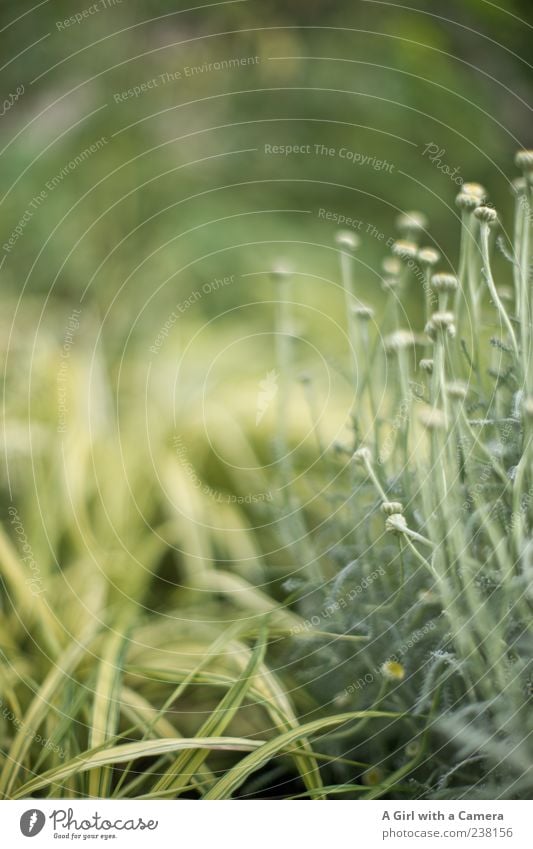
(485, 229)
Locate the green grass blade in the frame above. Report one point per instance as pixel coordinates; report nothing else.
(234, 778)
(129, 752)
(149, 719)
(30, 606)
(106, 705)
(38, 710)
(188, 763)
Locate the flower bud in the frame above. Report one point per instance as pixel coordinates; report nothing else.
(440, 322)
(396, 523)
(391, 507)
(362, 455)
(475, 190)
(432, 419)
(404, 250)
(486, 214)
(280, 271)
(524, 160)
(398, 340)
(466, 201)
(457, 390)
(393, 671)
(428, 256)
(444, 282)
(363, 313)
(348, 240)
(391, 265)
(411, 222)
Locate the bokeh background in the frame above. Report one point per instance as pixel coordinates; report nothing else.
(379, 78)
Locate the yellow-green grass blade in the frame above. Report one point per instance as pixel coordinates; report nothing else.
(140, 711)
(216, 647)
(235, 777)
(61, 723)
(106, 704)
(29, 605)
(38, 709)
(189, 762)
(212, 651)
(319, 756)
(265, 690)
(277, 703)
(129, 752)
(344, 789)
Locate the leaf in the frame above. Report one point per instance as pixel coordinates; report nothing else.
(106, 704)
(130, 751)
(38, 710)
(29, 605)
(188, 763)
(235, 777)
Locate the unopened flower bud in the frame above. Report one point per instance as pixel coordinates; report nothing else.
(405, 250)
(347, 239)
(398, 340)
(524, 160)
(392, 507)
(444, 282)
(363, 313)
(486, 214)
(467, 201)
(280, 271)
(391, 265)
(475, 190)
(396, 523)
(428, 256)
(411, 222)
(362, 455)
(442, 322)
(457, 390)
(432, 419)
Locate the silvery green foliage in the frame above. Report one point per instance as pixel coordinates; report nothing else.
(437, 581)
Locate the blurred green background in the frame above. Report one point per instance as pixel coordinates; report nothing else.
(170, 187)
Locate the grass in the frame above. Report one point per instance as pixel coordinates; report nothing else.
(365, 634)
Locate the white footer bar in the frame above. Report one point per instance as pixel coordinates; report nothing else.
(265, 824)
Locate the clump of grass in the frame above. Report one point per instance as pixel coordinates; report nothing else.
(383, 651)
